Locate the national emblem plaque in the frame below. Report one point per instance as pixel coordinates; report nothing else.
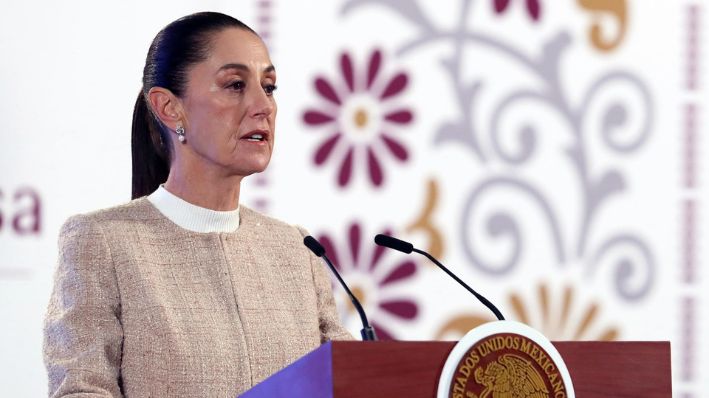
(505, 359)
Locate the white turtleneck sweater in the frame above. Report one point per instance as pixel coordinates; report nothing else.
(192, 217)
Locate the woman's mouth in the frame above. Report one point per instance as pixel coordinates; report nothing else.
(256, 136)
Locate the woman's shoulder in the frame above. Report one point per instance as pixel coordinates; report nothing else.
(130, 212)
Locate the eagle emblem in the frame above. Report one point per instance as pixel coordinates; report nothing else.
(511, 377)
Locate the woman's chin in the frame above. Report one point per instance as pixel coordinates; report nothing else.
(247, 170)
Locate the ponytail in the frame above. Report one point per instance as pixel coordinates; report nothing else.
(150, 153)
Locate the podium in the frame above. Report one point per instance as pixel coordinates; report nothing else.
(392, 369)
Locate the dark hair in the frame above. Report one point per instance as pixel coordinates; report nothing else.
(176, 48)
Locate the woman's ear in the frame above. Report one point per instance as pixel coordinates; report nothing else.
(166, 106)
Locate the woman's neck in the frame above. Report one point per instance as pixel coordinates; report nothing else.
(204, 189)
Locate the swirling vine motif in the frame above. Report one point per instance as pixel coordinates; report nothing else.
(595, 187)
(424, 222)
(616, 9)
(503, 224)
(626, 268)
(527, 134)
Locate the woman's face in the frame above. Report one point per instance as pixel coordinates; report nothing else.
(229, 107)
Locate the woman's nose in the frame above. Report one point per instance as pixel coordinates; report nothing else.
(262, 104)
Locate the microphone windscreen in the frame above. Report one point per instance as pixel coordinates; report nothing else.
(393, 243)
(314, 246)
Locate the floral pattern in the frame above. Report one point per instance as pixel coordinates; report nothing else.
(360, 117)
(533, 7)
(619, 102)
(560, 314)
(371, 277)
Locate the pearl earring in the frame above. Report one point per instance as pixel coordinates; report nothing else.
(180, 131)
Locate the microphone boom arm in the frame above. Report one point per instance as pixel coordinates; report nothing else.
(367, 331)
(480, 297)
(406, 247)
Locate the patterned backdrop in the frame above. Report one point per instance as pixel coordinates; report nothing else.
(549, 152)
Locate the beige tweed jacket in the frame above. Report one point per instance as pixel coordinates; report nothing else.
(144, 308)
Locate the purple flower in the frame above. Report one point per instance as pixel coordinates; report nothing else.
(370, 277)
(360, 114)
(533, 7)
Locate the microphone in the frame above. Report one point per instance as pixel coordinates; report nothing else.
(393, 243)
(367, 331)
(406, 247)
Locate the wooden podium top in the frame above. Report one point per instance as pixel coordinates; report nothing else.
(411, 369)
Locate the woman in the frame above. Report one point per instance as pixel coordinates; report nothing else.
(184, 292)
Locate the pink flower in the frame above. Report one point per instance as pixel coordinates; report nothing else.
(360, 118)
(363, 273)
(533, 7)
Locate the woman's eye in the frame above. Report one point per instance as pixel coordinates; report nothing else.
(237, 85)
(270, 88)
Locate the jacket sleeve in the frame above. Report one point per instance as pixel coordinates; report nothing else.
(331, 327)
(83, 335)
